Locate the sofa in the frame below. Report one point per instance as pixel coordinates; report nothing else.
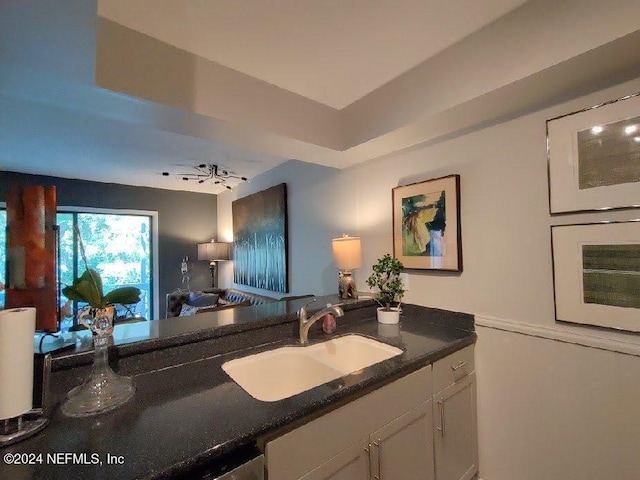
(185, 302)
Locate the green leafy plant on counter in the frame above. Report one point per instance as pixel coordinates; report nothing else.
(386, 278)
(88, 288)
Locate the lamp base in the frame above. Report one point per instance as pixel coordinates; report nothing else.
(214, 274)
(346, 285)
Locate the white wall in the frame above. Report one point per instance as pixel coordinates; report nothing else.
(555, 411)
(548, 409)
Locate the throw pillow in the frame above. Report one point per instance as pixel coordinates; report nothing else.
(188, 310)
(203, 299)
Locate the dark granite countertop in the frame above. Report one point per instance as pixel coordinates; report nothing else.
(191, 415)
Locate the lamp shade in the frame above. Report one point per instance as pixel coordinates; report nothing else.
(347, 253)
(213, 251)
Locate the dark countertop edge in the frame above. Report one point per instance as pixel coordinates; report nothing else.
(314, 409)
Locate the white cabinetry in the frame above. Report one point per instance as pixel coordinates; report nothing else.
(373, 435)
(353, 463)
(390, 433)
(454, 412)
(402, 449)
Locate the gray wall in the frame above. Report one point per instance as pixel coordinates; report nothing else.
(320, 207)
(184, 220)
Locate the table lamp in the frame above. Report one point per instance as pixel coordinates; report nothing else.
(213, 252)
(347, 255)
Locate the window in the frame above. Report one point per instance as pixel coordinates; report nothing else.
(117, 245)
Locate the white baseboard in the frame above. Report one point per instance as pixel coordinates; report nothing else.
(559, 334)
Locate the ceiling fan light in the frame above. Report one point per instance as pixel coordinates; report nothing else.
(208, 171)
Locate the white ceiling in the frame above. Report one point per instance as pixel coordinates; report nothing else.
(330, 51)
(333, 82)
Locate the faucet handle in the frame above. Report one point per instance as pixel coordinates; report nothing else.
(302, 313)
(309, 303)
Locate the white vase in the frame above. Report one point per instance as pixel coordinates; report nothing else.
(389, 317)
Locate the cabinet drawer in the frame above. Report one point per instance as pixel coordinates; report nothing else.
(452, 368)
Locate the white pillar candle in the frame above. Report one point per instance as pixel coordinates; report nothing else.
(17, 327)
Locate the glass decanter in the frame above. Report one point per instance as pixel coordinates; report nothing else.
(103, 390)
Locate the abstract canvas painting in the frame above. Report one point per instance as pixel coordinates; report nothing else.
(426, 224)
(260, 239)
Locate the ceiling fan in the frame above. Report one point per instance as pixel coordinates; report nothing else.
(209, 172)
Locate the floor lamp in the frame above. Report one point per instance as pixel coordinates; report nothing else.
(213, 252)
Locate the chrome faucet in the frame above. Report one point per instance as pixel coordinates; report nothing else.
(305, 323)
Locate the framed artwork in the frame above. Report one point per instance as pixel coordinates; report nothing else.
(260, 239)
(594, 157)
(596, 274)
(426, 224)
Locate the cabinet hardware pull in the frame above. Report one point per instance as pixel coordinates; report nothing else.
(460, 365)
(367, 448)
(441, 409)
(377, 444)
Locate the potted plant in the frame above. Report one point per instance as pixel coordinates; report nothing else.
(386, 278)
(102, 390)
(88, 289)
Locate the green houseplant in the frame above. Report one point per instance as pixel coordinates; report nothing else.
(88, 289)
(386, 278)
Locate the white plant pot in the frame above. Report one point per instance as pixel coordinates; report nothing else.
(390, 317)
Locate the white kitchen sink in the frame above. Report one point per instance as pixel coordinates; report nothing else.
(286, 371)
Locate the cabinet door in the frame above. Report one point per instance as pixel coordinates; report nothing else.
(296, 453)
(456, 435)
(350, 464)
(403, 449)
